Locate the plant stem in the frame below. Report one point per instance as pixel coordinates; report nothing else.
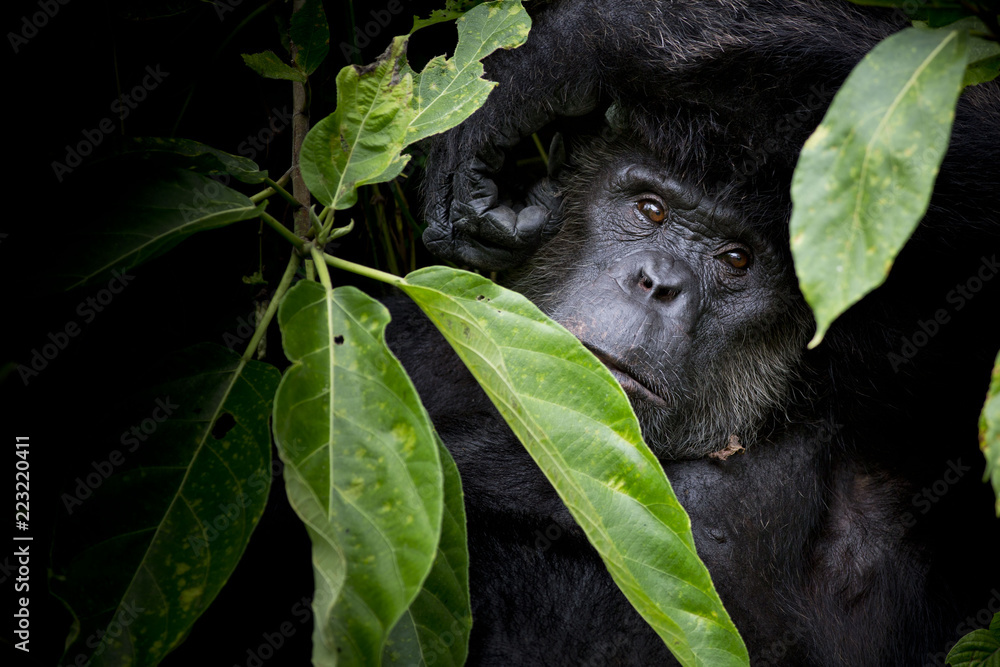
(272, 308)
(281, 229)
(360, 269)
(267, 192)
(541, 149)
(324, 274)
(276, 187)
(300, 127)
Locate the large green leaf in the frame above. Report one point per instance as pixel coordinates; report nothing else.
(865, 176)
(361, 139)
(173, 510)
(575, 421)
(362, 468)
(435, 629)
(989, 433)
(979, 648)
(447, 91)
(157, 210)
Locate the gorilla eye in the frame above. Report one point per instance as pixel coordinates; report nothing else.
(738, 258)
(651, 209)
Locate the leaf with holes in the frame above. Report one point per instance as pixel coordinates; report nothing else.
(361, 140)
(865, 176)
(448, 90)
(177, 501)
(361, 468)
(577, 424)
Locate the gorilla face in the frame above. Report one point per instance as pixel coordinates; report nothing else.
(688, 303)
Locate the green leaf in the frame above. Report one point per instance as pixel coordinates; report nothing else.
(984, 55)
(270, 66)
(158, 209)
(865, 176)
(362, 468)
(979, 648)
(311, 34)
(449, 90)
(435, 629)
(989, 433)
(435, 17)
(577, 424)
(983, 70)
(147, 553)
(362, 139)
(383, 107)
(196, 156)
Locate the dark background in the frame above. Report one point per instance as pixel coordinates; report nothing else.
(59, 84)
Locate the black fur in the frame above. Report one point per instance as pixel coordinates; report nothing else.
(854, 529)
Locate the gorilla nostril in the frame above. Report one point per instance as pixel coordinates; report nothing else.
(657, 287)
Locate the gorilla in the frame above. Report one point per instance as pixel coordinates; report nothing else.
(835, 494)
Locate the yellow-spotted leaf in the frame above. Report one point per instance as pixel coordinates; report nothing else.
(143, 555)
(577, 424)
(448, 90)
(435, 629)
(865, 176)
(362, 468)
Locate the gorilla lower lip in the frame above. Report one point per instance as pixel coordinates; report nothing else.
(629, 382)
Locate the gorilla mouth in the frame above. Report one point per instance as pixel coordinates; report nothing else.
(628, 380)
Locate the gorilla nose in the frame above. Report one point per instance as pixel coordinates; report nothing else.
(661, 278)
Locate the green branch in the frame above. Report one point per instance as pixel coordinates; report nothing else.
(281, 229)
(359, 269)
(272, 307)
